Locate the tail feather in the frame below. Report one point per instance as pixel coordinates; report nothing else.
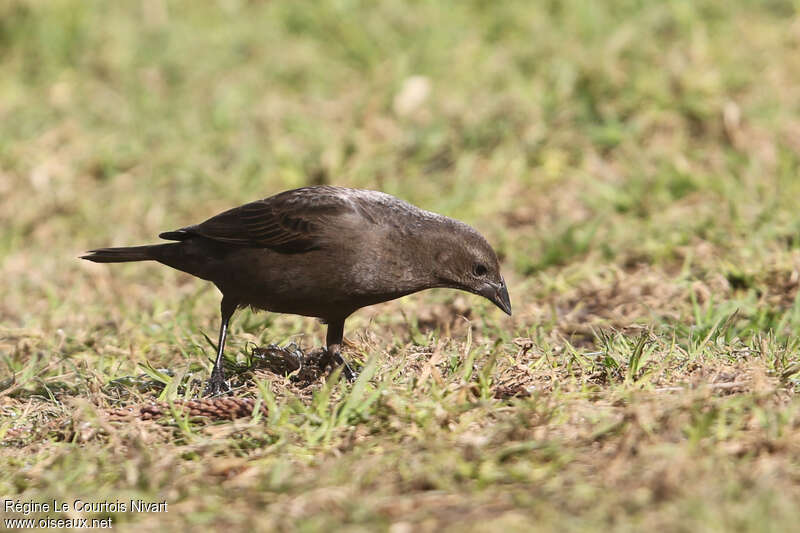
(124, 254)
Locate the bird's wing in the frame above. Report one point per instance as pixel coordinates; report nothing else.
(291, 222)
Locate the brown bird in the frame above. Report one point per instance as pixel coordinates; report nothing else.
(323, 252)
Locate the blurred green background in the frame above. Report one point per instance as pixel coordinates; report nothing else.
(612, 133)
(120, 119)
(635, 164)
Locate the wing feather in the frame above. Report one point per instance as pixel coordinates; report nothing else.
(291, 222)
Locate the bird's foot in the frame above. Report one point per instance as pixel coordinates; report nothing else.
(349, 374)
(216, 385)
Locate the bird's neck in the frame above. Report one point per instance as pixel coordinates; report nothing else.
(420, 263)
(413, 261)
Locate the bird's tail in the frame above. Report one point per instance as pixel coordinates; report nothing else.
(125, 254)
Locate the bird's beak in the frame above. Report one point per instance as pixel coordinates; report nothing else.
(497, 293)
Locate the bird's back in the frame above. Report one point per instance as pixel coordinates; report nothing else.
(311, 251)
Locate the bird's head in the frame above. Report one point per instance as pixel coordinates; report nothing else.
(466, 261)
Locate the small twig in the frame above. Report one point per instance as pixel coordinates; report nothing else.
(221, 408)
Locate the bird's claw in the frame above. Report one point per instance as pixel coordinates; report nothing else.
(334, 359)
(216, 385)
(349, 374)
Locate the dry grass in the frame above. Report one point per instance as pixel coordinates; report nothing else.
(636, 166)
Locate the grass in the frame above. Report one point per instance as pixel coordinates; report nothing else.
(636, 165)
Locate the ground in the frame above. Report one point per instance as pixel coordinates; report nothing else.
(635, 164)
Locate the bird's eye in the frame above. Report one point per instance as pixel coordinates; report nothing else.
(480, 269)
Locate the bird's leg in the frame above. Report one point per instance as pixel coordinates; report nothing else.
(334, 346)
(216, 383)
